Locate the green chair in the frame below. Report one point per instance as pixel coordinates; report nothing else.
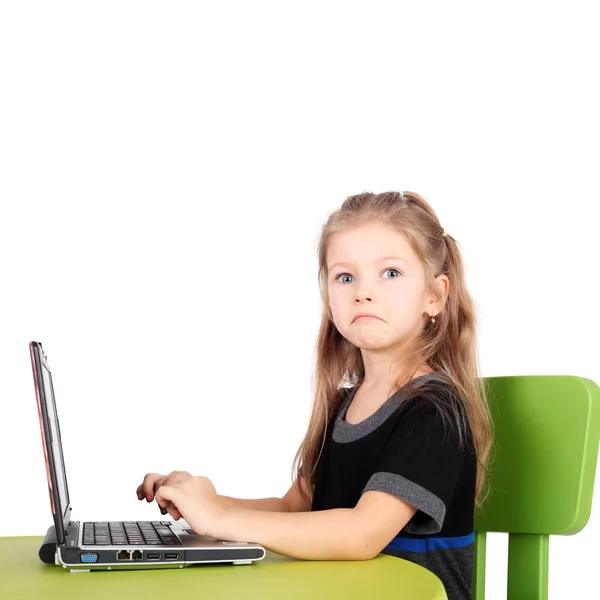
(542, 473)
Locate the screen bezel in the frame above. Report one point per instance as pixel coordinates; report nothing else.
(62, 516)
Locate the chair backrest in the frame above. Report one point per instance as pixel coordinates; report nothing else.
(542, 471)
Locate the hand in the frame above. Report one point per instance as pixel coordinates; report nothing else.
(196, 499)
(152, 481)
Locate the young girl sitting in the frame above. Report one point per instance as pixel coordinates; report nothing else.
(396, 451)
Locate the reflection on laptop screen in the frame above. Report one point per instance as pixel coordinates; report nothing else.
(56, 443)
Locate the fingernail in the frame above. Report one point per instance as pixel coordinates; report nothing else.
(149, 498)
(163, 511)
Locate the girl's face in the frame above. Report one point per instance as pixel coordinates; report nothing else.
(380, 274)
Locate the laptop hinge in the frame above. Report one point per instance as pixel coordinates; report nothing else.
(68, 522)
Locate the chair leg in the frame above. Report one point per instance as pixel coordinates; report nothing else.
(478, 587)
(528, 566)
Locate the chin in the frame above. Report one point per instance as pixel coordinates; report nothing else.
(372, 344)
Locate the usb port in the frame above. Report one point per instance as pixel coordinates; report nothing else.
(171, 556)
(153, 556)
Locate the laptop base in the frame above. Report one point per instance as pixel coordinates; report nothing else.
(80, 560)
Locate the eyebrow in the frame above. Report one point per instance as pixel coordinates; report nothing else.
(379, 260)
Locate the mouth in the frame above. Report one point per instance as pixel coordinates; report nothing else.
(366, 317)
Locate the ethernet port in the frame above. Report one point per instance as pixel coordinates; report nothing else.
(136, 555)
(124, 555)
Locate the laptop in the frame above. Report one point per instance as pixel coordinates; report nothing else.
(104, 545)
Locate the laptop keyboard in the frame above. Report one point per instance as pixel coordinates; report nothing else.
(129, 533)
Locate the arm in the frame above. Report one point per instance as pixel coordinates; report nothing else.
(270, 504)
(292, 501)
(358, 533)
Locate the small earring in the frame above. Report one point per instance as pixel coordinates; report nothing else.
(432, 318)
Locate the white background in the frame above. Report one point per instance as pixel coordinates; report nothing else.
(165, 170)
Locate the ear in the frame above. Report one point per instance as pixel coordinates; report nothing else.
(435, 304)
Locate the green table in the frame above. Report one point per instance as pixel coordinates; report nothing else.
(24, 575)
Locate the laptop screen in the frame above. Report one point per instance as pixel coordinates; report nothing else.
(51, 427)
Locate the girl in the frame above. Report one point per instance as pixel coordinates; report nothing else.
(396, 461)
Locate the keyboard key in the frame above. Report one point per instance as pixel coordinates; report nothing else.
(171, 541)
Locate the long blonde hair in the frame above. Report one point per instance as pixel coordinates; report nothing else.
(448, 346)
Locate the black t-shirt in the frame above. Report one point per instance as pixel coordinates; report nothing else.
(407, 449)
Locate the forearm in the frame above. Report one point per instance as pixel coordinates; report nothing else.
(336, 534)
(270, 504)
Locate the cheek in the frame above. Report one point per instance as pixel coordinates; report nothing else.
(335, 308)
(404, 297)
(338, 302)
(335, 295)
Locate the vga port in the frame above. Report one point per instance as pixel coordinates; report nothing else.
(89, 558)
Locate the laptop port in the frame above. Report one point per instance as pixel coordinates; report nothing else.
(124, 555)
(136, 555)
(89, 558)
(171, 556)
(153, 556)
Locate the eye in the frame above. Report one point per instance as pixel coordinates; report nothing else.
(395, 271)
(336, 278)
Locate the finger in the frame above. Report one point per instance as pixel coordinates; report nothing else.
(140, 491)
(166, 495)
(157, 484)
(172, 510)
(148, 485)
(166, 502)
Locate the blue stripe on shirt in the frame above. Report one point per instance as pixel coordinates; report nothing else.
(427, 544)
